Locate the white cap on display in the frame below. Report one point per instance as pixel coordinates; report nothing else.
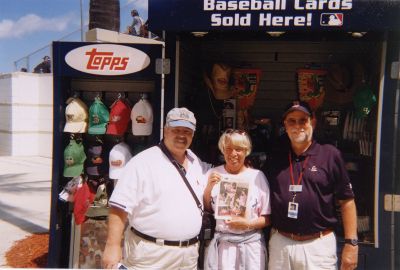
(120, 154)
(142, 118)
(76, 116)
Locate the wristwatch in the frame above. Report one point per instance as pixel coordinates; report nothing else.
(353, 242)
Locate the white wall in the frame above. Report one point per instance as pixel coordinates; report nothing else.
(26, 114)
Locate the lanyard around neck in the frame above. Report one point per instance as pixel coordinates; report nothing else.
(301, 172)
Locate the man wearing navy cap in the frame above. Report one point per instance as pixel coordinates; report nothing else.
(306, 180)
(164, 219)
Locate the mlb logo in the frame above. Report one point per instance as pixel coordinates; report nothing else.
(331, 19)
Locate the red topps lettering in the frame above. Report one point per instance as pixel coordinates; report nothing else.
(102, 60)
(123, 63)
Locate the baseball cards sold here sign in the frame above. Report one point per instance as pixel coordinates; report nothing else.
(273, 15)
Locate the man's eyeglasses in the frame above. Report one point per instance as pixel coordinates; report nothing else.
(293, 122)
(238, 131)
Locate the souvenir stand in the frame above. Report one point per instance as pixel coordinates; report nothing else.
(239, 63)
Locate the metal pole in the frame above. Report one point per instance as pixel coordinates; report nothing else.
(81, 20)
(162, 89)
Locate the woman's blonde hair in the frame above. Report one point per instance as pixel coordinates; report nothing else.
(235, 137)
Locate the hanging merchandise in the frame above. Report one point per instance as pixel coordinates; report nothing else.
(98, 117)
(342, 80)
(338, 84)
(84, 197)
(217, 80)
(242, 119)
(95, 165)
(119, 117)
(245, 86)
(364, 100)
(229, 113)
(120, 154)
(76, 116)
(142, 117)
(311, 86)
(74, 158)
(69, 190)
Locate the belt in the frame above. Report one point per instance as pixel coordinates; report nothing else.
(305, 237)
(162, 242)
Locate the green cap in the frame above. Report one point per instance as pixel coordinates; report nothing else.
(74, 157)
(364, 99)
(98, 117)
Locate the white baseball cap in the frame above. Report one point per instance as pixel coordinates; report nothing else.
(181, 117)
(142, 118)
(76, 116)
(120, 154)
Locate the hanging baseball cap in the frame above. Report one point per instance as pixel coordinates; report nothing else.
(364, 99)
(95, 163)
(181, 117)
(297, 105)
(120, 154)
(142, 118)
(74, 158)
(98, 117)
(83, 199)
(76, 116)
(119, 118)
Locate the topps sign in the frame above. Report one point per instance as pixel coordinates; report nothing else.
(107, 59)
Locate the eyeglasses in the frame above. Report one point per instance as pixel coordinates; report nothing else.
(238, 131)
(293, 122)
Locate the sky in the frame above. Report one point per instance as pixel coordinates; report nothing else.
(28, 27)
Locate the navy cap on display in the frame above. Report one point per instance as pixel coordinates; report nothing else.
(297, 105)
(96, 163)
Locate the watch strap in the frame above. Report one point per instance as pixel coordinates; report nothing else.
(353, 242)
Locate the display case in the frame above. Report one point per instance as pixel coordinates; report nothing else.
(99, 92)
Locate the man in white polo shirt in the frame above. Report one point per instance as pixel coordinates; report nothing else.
(164, 220)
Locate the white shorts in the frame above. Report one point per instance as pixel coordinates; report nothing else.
(229, 258)
(288, 254)
(143, 254)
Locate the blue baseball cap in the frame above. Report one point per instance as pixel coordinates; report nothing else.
(297, 105)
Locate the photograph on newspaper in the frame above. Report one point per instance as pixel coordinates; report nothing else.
(231, 198)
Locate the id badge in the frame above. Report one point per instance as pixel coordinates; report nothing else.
(293, 210)
(295, 188)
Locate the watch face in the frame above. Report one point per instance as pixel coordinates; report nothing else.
(353, 242)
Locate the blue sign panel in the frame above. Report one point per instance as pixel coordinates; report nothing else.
(273, 15)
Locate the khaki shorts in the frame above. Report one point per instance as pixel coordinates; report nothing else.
(142, 254)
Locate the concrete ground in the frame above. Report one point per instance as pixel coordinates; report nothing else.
(25, 187)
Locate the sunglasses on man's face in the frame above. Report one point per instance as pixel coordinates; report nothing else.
(293, 121)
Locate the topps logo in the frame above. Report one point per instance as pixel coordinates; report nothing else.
(107, 59)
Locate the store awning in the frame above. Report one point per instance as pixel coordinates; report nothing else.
(273, 15)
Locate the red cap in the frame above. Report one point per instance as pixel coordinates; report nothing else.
(83, 199)
(119, 118)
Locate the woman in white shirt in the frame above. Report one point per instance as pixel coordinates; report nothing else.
(238, 242)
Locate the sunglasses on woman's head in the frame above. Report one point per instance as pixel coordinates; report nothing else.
(238, 131)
